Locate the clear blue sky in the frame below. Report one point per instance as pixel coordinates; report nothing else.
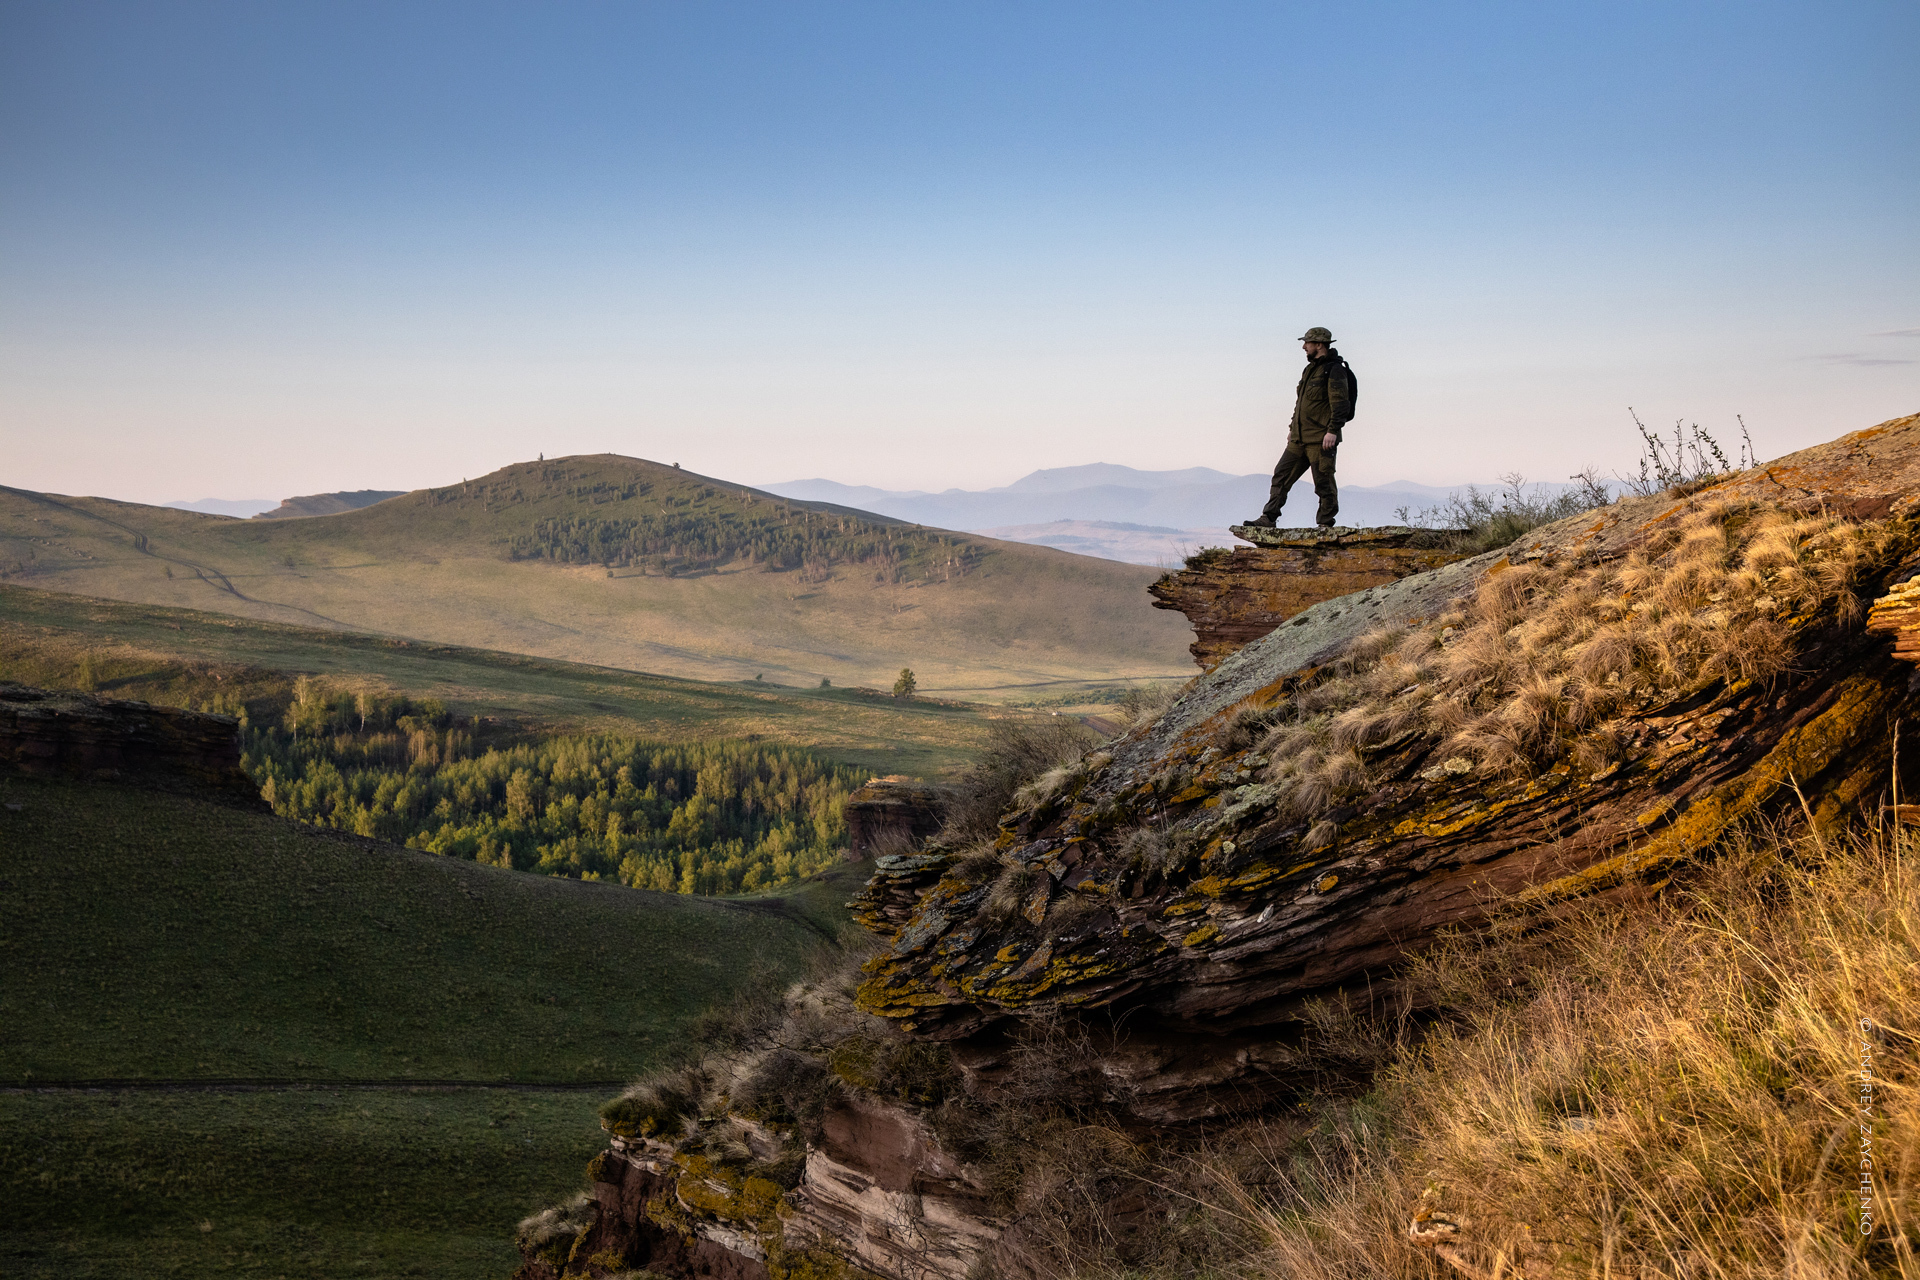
(253, 249)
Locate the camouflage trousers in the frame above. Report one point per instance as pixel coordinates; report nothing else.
(1296, 462)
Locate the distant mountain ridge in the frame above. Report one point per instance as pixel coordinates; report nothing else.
(1195, 500)
(312, 504)
(328, 504)
(1156, 545)
(238, 508)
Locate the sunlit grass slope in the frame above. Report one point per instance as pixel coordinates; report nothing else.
(185, 657)
(619, 561)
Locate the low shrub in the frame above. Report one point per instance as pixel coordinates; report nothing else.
(551, 1234)
(1142, 704)
(1474, 521)
(914, 1071)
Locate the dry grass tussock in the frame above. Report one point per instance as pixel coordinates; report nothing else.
(1540, 663)
(1669, 1090)
(763, 1059)
(1474, 521)
(1143, 704)
(1017, 754)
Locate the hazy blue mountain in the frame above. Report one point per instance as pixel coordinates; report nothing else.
(1068, 479)
(1197, 498)
(240, 507)
(1116, 540)
(328, 504)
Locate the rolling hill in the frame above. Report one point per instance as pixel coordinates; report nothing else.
(627, 563)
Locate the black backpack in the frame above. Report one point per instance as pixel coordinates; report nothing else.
(1353, 387)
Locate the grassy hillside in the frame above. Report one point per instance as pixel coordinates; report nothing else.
(152, 937)
(320, 1184)
(186, 657)
(628, 563)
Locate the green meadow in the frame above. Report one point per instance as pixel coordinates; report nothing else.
(150, 937)
(316, 1184)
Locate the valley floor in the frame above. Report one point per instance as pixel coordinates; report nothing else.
(151, 937)
(309, 1184)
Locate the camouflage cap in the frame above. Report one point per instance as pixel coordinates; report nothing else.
(1317, 334)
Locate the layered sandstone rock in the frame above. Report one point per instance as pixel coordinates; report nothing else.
(47, 731)
(1176, 905)
(881, 1193)
(1179, 896)
(1898, 614)
(875, 1195)
(1234, 597)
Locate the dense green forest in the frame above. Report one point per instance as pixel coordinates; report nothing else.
(702, 817)
(683, 533)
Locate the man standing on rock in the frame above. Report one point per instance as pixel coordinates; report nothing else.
(1321, 407)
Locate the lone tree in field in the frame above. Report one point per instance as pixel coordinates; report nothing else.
(905, 685)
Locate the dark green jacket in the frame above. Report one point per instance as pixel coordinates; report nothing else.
(1323, 402)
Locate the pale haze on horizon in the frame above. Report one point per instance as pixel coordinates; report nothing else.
(256, 251)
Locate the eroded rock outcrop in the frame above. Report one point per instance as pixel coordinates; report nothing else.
(61, 731)
(1897, 614)
(802, 1151)
(1234, 597)
(1579, 714)
(1576, 714)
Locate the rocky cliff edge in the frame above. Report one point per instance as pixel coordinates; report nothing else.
(1577, 715)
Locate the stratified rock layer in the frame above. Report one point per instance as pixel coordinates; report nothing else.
(1898, 614)
(1234, 597)
(1198, 963)
(1172, 913)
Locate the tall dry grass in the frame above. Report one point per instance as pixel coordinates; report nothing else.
(1670, 1089)
(1542, 663)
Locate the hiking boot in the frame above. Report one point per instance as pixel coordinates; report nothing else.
(1259, 522)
